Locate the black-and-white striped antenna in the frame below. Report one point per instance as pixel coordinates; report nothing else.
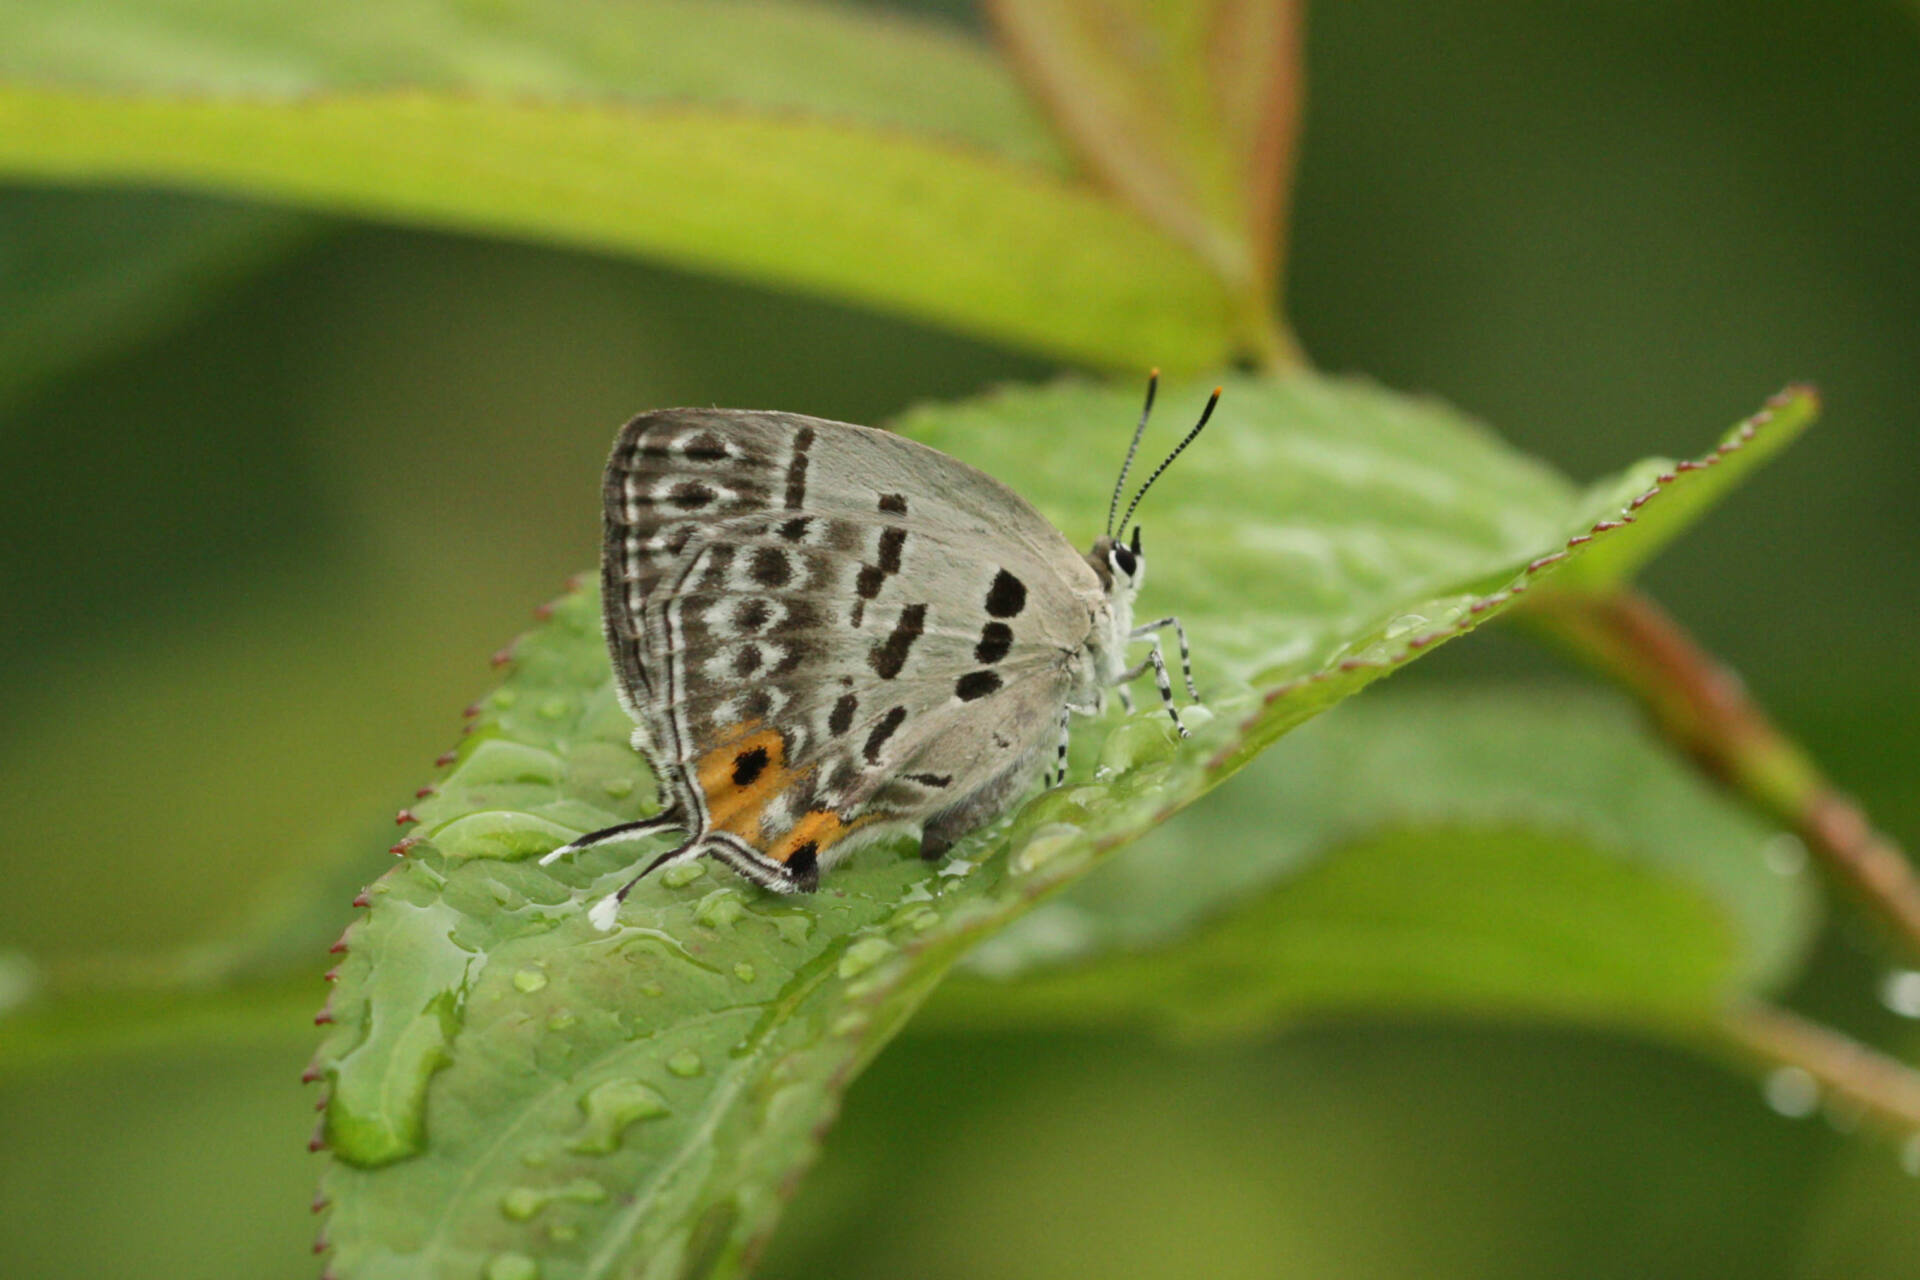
(1178, 449)
(1153, 382)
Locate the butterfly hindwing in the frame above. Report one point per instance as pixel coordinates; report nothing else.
(803, 613)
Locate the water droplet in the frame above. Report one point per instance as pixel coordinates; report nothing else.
(522, 1203)
(1784, 855)
(685, 1064)
(917, 918)
(511, 1266)
(683, 875)
(863, 955)
(1910, 1155)
(505, 834)
(644, 945)
(561, 1020)
(562, 1232)
(743, 971)
(618, 787)
(610, 1107)
(1048, 844)
(496, 761)
(529, 981)
(1135, 741)
(555, 708)
(1792, 1092)
(1405, 624)
(955, 868)
(1900, 992)
(504, 698)
(719, 909)
(652, 989)
(850, 1024)
(377, 1111)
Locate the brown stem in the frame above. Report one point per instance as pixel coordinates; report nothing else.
(1883, 1089)
(1703, 705)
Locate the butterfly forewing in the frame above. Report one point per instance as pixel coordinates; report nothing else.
(801, 611)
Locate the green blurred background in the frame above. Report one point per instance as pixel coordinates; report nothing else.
(263, 530)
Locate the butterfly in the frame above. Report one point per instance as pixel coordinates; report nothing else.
(827, 633)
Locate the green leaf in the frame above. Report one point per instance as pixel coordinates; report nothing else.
(777, 58)
(769, 144)
(1188, 112)
(1498, 852)
(508, 1084)
(1686, 490)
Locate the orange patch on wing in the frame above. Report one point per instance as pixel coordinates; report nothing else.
(822, 828)
(740, 778)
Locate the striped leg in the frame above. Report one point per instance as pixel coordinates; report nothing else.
(1186, 654)
(1158, 661)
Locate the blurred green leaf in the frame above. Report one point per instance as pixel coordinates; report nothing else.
(781, 58)
(509, 1084)
(84, 275)
(1530, 853)
(771, 144)
(1187, 112)
(878, 217)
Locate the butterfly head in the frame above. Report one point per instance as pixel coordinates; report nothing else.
(1121, 566)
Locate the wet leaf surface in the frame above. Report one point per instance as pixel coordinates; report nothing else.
(508, 1084)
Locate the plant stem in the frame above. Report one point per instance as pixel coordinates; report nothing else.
(1704, 706)
(1882, 1088)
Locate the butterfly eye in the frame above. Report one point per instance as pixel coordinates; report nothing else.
(1125, 561)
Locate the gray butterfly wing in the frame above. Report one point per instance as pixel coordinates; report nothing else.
(821, 626)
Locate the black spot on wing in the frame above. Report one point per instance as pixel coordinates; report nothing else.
(770, 567)
(891, 542)
(691, 495)
(887, 658)
(1007, 596)
(995, 639)
(881, 732)
(748, 765)
(867, 585)
(705, 447)
(894, 503)
(797, 469)
(746, 660)
(936, 780)
(976, 684)
(804, 860)
(795, 529)
(751, 614)
(841, 718)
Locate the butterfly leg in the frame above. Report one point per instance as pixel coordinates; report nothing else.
(1058, 774)
(1158, 661)
(1186, 654)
